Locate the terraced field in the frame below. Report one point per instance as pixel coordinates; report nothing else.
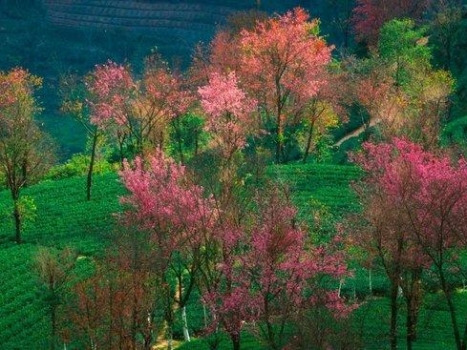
(63, 219)
(329, 185)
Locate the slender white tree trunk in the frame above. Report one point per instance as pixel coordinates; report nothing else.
(341, 282)
(186, 333)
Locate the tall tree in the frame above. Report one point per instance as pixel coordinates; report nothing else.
(164, 204)
(25, 151)
(386, 231)
(282, 61)
(419, 218)
(73, 94)
(278, 62)
(266, 271)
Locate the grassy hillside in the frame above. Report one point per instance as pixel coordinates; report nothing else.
(324, 184)
(64, 219)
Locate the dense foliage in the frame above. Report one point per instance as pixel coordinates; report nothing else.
(183, 222)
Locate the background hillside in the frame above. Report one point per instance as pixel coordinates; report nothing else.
(52, 38)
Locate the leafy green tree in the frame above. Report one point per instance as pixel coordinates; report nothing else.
(449, 43)
(398, 87)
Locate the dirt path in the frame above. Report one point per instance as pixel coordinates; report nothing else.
(356, 132)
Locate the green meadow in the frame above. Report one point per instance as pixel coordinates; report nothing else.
(63, 218)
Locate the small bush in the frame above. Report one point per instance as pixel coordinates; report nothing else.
(78, 165)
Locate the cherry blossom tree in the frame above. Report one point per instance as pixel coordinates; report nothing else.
(386, 234)
(229, 111)
(281, 63)
(137, 113)
(167, 206)
(26, 152)
(266, 271)
(416, 208)
(111, 88)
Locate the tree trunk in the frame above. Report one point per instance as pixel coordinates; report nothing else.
(91, 166)
(53, 321)
(280, 141)
(178, 134)
(280, 131)
(235, 341)
(394, 309)
(197, 132)
(464, 339)
(413, 301)
(17, 217)
(308, 142)
(410, 325)
(186, 333)
(452, 309)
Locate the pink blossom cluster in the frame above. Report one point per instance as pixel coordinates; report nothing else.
(284, 51)
(111, 86)
(163, 201)
(428, 189)
(229, 111)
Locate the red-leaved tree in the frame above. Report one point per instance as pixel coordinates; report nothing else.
(282, 61)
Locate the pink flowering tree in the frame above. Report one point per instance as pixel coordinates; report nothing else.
(164, 204)
(137, 112)
(268, 272)
(282, 61)
(225, 287)
(279, 62)
(111, 88)
(285, 269)
(416, 209)
(229, 113)
(162, 97)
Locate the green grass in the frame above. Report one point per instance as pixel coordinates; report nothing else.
(63, 216)
(22, 308)
(65, 219)
(325, 184)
